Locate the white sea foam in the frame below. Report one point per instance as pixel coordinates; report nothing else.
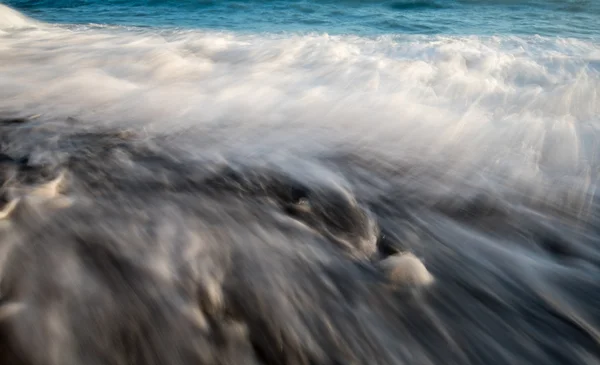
(519, 104)
(12, 19)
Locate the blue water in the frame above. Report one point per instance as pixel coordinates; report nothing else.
(572, 18)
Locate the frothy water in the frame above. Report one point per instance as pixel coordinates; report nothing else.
(204, 196)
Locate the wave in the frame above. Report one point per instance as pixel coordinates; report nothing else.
(185, 197)
(404, 81)
(11, 19)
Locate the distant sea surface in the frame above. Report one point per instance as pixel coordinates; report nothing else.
(570, 18)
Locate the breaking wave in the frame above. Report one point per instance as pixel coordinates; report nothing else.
(197, 197)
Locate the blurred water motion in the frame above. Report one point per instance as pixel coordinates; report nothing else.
(205, 197)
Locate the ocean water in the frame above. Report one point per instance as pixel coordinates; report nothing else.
(299, 182)
(572, 18)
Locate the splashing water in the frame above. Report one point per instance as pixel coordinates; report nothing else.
(204, 196)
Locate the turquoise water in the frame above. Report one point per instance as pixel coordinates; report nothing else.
(573, 18)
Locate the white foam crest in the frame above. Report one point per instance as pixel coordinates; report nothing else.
(12, 19)
(509, 101)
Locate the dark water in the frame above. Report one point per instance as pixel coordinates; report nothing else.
(299, 183)
(128, 250)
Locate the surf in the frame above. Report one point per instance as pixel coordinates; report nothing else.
(12, 19)
(190, 195)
